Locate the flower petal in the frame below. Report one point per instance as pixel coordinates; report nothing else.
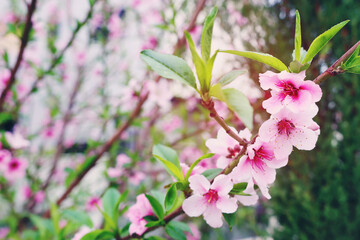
(304, 139)
(199, 184)
(226, 204)
(212, 216)
(222, 184)
(194, 206)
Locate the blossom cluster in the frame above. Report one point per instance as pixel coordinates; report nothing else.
(292, 108)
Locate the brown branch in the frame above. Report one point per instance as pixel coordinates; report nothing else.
(55, 60)
(24, 42)
(335, 68)
(167, 219)
(209, 104)
(124, 126)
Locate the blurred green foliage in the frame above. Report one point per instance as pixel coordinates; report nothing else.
(317, 195)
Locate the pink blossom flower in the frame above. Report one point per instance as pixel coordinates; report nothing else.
(5, 157)
(195, 235)
(227, 147)
(174, 123)
(16, 140)
(92, 203)
(15, 169)
(4, 231)
(289, 90)
(210, 200)
(136, 214)
(286, 129)
(114, 26)
(39, 197)
(27, 192)
(136, 177)
(258, 166)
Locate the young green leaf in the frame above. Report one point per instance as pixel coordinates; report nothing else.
(231, 76)
(322, 40)
(352, 57)
(230, 218)
(98, 235)
(198, 62)
(156, 206)
(166, 153)
(171, 168)
(355, 70)
(170, 197)
(175, 233)
(240, 104)
(209, 68)
(110, 203)
(169, 66)
(238, 188)
(297, 37)
(211, 173)
(206, 35)
(260, 57)
(208, 155)
(77, 217)
(216, 91)
(181, 225)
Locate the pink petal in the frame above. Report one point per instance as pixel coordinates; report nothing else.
(304, 139)
(212, 216)
(268, 80)
(247, 200)
(282, 147)
(301, 103)
(273, 104)
(268, 130)
(217, 146)
(226, 204)
(242, 172)
(314, 89)
(199, 184)
(194, 206)
(277, 163)
(222, 162)
(265, 177)
(222, 184)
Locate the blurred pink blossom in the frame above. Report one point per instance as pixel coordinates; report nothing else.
(136, 214)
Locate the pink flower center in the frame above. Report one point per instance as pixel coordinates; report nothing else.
(260, 156)
(289, 89)
(211, 196)
(233, 151)
(14, 165)
(285, 127)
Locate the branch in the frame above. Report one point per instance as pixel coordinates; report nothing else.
(24, 42)
(167, 219)
(55, 60)
(124, 126)
(209, 104)
(335, 68)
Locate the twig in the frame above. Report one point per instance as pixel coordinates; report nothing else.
(56, 59)
(124, 126)
(167, 219)
(334, 69)
(24, 42)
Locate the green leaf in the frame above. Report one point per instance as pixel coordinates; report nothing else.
(154, 223)
(180, 225)
(98, 235)
(297, 37)
(169, 66)
(216, 91)
(154, 238)
(209, 68)
(230, 218)
(175, 233)
(198, 62)
(206, 35)
(355, 70)
(110, 203)
(170, 197)
(77, 217)
(350, 60)
(260, 57)
(156, 206)
(55, 217)
(231, 76)
(212, 173)
(238, 189)
(208, 155)
(168, 157)
(240, 104)
(44, 226)
(322, 40)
